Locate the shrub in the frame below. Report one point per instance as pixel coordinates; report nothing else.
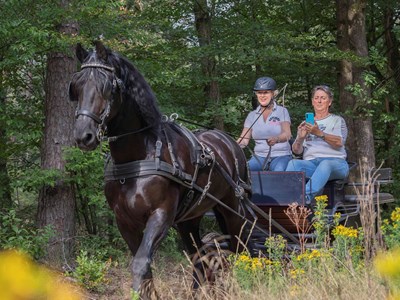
(16, 233)
(391, 229)
(91, 271)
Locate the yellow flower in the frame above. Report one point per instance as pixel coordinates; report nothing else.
(252, 264)
(388, 264)
(21, 278)
(296, 272)
(244, 258)
(314, 253)
(395, 216)
(322, 198)
(344, 231)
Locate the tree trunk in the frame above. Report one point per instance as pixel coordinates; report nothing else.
(208, 62)
(56, 205)
(352, 39)
(393, 57)
(5, 192)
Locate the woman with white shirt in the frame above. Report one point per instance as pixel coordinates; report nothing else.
(322, 145)
(269, 126)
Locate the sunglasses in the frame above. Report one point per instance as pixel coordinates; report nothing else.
(325, 88)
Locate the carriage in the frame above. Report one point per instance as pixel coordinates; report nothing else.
(274, 192)
(159, 174)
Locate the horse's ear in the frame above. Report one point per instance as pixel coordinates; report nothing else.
(81, 53)
(101, 50)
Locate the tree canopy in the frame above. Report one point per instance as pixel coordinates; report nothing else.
(295, 42)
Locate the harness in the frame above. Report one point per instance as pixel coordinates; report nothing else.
(201, 156)
(204, 156)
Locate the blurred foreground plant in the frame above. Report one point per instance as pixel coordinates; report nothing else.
(388, 266)
(22, 279)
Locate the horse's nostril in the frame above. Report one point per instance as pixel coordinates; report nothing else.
(88, 138)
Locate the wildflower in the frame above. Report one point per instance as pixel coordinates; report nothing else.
(252, 264)
(310, 255)
(244, 258)
(314, 254)
(296, 272)
(322, 198)
(395, 216)
(343, 231)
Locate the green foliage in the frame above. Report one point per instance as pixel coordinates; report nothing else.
(292, 41)
(86, 173)
(320, 220)
(91, 271)
(391, 229)
(251, 271)
(17, 233)
(171, 247)
(112, 247)
(347, 245)
(276, 247)
(344, 255)
(135, 295)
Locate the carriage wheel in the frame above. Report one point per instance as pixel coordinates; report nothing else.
(209, 266)
(215, 240)
(211, 259)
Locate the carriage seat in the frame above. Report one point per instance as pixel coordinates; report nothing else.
(335, 189)
(375, 179)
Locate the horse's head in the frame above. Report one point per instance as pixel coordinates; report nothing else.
(97, 89)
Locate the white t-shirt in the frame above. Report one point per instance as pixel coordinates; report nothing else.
(263, 130)
(315, 147)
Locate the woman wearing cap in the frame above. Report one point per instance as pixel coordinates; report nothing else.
(322, 145)
(269, 126)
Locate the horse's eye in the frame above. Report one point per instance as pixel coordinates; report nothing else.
(107, 89)
(71, 93)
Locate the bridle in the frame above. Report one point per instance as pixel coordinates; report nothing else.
(100, 120)
(101, 132)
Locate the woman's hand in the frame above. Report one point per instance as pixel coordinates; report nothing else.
(313, 129)
(303, 130)
(273, 141)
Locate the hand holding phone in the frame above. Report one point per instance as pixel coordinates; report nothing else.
(310, 118)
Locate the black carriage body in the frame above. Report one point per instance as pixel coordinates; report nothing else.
(277, 188)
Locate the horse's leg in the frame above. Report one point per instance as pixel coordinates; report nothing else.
(220, 220)
(156, 229)
(236, 227)
(189, 232)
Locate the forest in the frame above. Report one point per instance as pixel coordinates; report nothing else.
(201, 58)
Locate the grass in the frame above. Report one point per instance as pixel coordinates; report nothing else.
(344, 263)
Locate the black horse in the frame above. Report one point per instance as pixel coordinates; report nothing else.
(159, 173)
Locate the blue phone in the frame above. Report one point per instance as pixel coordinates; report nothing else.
(310, 118)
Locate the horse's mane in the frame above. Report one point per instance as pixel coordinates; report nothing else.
(136, 89)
